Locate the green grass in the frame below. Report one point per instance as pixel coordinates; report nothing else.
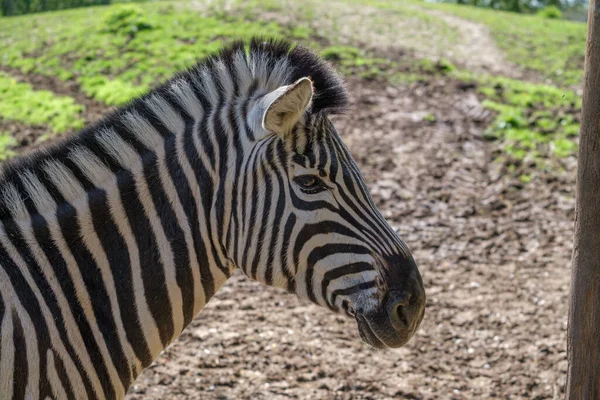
(534, 123)
(7, 143)
(553, 48)
(116, 52)
(19, 102)
(352, 60)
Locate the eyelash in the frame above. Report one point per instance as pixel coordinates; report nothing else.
(316, 187)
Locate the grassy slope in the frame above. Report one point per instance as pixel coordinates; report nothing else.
(116, 52)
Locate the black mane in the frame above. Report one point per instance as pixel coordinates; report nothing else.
(330, 94)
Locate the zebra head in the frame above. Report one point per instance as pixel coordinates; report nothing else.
(307, 221)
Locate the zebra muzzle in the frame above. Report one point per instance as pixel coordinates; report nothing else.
(396, 320)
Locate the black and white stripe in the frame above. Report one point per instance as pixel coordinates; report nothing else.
(114, 239)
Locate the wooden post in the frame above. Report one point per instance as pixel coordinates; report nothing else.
(583, 336)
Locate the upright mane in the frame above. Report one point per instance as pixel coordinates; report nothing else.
(267, 62)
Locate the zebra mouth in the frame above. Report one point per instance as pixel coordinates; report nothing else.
(367, 334)
(378, 331)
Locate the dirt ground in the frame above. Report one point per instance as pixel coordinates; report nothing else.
(494, 256)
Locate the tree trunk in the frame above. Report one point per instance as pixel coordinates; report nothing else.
(583, 337)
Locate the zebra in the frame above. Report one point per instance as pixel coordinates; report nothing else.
(113, 239)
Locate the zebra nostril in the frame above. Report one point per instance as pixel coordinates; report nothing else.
(400, 315)
(398, 310)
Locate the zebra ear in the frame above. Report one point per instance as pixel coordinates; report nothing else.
(286, 106)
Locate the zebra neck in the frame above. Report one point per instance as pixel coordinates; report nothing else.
(118, 236)
(166, 175)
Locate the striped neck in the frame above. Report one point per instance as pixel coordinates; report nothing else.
(120, 239)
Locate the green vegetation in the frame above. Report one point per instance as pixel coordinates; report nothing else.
(115, 53)
(553, 48)
(431, 118)
(126, 20)
(533, 122)
(19, 102)
(551, 12)
(405, 9)
(7, 143)
(352, 60)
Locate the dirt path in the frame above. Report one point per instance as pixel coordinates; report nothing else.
(393, 29)
(475, 48)
(494, 258)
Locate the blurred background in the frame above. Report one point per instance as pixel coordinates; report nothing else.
(464, 121)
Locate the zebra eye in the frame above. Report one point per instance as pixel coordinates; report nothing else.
(309, 183)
